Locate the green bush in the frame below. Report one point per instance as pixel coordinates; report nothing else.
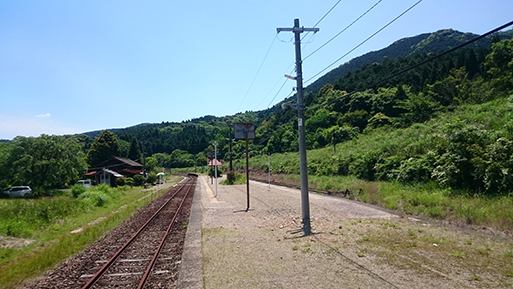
(211, 172)
(100, 195)
(77, 190)
(152, 178)
(234, 178)
(95, 198)
(129, 181)
(120, 182)
(139, 180)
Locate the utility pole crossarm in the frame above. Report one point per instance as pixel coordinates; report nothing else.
(297, 29)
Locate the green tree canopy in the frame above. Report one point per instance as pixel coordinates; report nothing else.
(151, 164)
(45, 162)
(134, 153)
(500, 64)
(104, 147)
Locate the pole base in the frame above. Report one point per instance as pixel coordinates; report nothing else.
(307, 229)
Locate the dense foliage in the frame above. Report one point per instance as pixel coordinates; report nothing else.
(471, 153)
(46, 162)
(104, 147)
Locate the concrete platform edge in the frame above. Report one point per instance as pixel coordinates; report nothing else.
(190, 275)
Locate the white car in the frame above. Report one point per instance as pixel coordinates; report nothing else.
(85, 183)
(19, 191)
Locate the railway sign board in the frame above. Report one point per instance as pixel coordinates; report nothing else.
(244, 130)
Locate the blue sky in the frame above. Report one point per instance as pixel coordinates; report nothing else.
(75, 66)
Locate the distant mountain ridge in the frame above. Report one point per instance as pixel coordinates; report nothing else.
(424, 43)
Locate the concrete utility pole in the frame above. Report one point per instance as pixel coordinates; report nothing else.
(215, 163)
(305, 204)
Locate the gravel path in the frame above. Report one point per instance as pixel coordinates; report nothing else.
(353, 245)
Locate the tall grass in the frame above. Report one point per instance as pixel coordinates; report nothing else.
(35, 262)
(423, 200)
(53, 219)
(22, 218)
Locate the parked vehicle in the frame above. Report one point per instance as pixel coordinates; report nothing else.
(85, 183)
(18, 192)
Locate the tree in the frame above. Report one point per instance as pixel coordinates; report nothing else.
(417, 107)
(134, 153)
(104, 147)
(500, 64)
(45, 162)
(182, 159)
(151, 164)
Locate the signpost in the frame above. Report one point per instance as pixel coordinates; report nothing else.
(244, 130)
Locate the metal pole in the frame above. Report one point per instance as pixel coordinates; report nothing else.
(247, 170)
(230, 139)
(269, 165)
(215, 164)
(303, 168)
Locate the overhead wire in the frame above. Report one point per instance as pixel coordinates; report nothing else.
(278, 92)
(338, 34)
(342, 31)
(275, 86)
(322, 18)
(318, 22)
(258, 71)
(364, 41)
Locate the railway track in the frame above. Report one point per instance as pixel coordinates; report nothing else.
(146, 259)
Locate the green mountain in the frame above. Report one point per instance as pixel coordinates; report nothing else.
(424, 43)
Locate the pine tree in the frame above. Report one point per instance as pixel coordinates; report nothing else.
(134, 153)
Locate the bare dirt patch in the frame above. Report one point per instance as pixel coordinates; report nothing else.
(9, 242)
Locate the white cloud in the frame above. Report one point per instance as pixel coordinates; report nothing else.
(44, 115)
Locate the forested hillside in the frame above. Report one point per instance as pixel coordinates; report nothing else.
(447, 122)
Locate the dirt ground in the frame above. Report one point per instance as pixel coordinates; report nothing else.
(9, 242)
(353, 245)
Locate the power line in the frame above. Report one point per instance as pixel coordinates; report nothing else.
(279, 90)
(275, 86)
(368, 38)
(318, 22)
(347, 27)
(258, 71)
(322, 18)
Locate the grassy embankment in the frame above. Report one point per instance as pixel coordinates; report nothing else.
(424, 199)
(48, 223)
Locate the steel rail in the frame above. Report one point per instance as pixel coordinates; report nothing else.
(162, 242)
(100, 273)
